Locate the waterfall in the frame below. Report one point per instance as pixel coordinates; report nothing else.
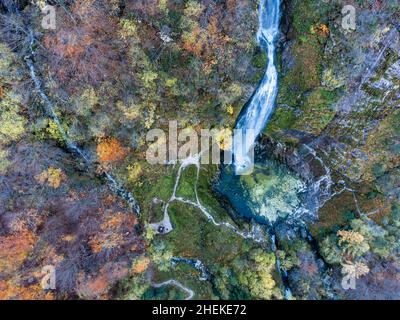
(256, 114)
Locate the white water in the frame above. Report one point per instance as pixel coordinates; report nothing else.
(261, 105)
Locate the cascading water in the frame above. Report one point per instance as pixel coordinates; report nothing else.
(254, 118)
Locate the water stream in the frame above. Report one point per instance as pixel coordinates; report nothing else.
(263, 189)
(259, 109)
(272, 193)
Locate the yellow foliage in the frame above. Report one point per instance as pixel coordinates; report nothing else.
(52, 177)
(131, 112)
(54, 132)
(163, 5)
(357, 270)
(229, 109)
(68, 238)
(134, 172)
(193, 9)
(7, 62)
(128, 29)
(4, 162)
(12, 124)
(352, 237)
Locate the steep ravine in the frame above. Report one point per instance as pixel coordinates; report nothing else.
(334, 128)
(309, 178)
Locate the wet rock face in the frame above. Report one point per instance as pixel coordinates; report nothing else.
(271, 193)
(304, 162)
(339, 92)
(301, 163)
(339, 85)
(336, 121)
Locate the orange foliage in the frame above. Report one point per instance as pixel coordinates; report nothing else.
(97, 286)
(109, 200)
(209, 43)
(27, 218)
(105, 241)
(324, 29)
(85, 49)
(110, 150)
(321, 29)
(10, 290)
(14, 249)
(117, 221)
(113, 232)
(217, 36)
(195, 44)
(141, 265)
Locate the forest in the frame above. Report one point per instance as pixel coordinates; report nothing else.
(82, 82)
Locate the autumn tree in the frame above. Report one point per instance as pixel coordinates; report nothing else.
(110, 150)
(253, 273)
(85, 46)
(146, 8)
(52, 177)
(14, 248)
(259, 278)
(208, 42)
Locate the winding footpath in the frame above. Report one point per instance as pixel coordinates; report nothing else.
(253, 119)
(173, 282)
(165, 225)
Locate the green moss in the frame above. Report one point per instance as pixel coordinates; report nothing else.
(156, 182)
(300, 86)
(317, 110)
(187, 183)
(248, 181)
(259, 59)
(164, 293)
(307, 13)
(305, 75)
(206, 195)
(283, 118)
(194, 236)
(333, 216)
